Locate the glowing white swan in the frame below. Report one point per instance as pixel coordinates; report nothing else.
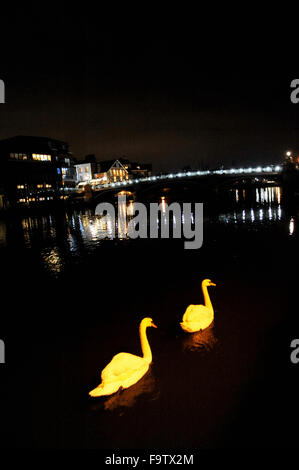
(199, 317)
(126, 369)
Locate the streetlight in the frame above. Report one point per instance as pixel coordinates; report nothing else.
(289, 154)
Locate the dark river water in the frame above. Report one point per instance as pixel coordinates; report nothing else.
(71, 300)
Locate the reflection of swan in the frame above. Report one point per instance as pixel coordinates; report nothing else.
(126, 369)
(199, 317)
(127, 398)
(201, 340)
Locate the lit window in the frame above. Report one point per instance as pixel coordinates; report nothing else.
(86, 169)
(42, 158)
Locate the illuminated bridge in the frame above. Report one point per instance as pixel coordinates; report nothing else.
(214, 177)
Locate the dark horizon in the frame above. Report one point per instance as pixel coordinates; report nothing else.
(152, 100)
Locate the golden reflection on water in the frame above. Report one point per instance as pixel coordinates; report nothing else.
(52, 260)
(122, 226)
(204, 341)
(43, 226)
(131, 209)
(126, 398)
(2, 234)
(163, 204)
(94, 228)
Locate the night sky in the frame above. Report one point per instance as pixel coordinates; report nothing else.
(112, 90)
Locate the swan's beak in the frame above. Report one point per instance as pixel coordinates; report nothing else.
(153, 325)
(212, 284)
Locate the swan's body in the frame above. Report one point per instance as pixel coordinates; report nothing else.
(126, 369)
(196, 318)
(199, 317)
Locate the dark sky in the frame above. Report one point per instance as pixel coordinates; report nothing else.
(116, 91)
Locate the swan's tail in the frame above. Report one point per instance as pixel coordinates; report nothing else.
(190, 327)
(184, 325)
(104, 389)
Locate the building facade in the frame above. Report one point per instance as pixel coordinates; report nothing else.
(34, 169)
(112, 171)
(92, 172)
(83, 172)
(87, 170)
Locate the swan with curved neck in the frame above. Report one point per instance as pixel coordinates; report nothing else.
(126, 369)
(199, 317)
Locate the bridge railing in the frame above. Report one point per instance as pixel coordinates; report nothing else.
(270, 169)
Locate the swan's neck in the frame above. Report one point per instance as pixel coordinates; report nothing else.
(208, 302)
(146, 350)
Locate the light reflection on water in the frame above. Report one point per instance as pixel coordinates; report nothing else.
(263, 195)
(292, 226)
(58, 238)
(252, 215)
(94, 228)
(53, 260)
(2, 234)
(146, 388)
(203, 341)
(127, 398)
(265, 206)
